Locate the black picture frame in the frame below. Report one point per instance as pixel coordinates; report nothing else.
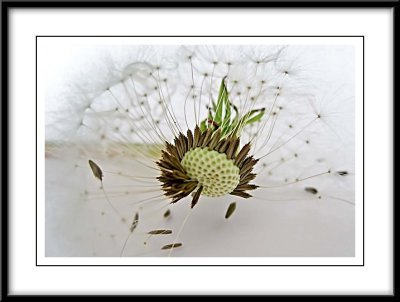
(8, 6)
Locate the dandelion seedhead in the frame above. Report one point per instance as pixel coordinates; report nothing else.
(208, 161)
(238, 125)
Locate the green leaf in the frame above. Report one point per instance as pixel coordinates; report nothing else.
(203, 125)
(249, 118)
(252, 119)
(223, 108)
(220, 115)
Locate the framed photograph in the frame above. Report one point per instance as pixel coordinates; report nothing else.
(241, 116)
(168, 150)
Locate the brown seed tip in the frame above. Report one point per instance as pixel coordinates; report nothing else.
(230, 210)
(311, 190)
(160, 232)
(196, 196)
(171, 246)
(135, 222)
(167, 213)
(97, 172)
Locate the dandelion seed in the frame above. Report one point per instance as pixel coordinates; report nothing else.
(171, 246)
(230, 210)
(167, 213)
(134, 223)
(160, 232)
(97, 172)
(311, 190)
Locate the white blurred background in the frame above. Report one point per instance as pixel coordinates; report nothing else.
(281, 222)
